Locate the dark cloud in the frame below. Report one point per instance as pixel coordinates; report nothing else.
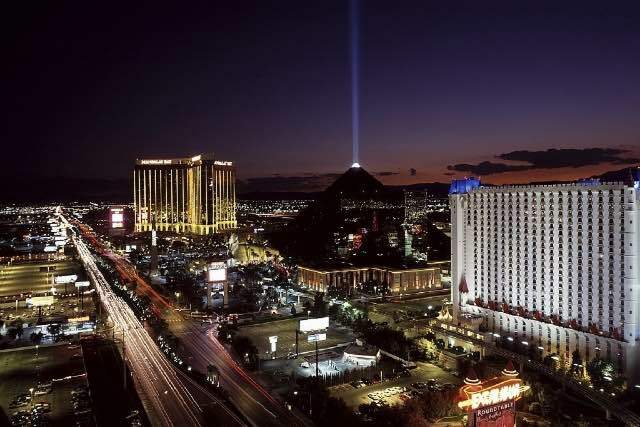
(570, 157)
(386, 173)
(449, 173)
(413, 172)
(548, 159)
(487, 168)
(310, 182)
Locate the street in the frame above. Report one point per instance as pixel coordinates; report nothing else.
(203, 347)
(163, 391)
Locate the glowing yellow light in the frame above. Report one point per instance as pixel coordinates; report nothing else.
(496, 394)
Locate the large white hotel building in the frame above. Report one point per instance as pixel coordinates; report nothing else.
(555, 266)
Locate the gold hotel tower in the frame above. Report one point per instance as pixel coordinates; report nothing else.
(189, 195)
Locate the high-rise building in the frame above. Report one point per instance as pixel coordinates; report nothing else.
(188, 195)
(551, 266)
(415, 206)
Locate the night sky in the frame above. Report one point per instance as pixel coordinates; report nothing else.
(446, 88)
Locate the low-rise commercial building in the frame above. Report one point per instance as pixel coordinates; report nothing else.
(399, 280)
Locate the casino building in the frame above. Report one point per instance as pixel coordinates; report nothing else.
(400, 280)
(554, 266)
(186, 195)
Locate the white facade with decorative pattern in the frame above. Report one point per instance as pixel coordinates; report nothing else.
(555, 266)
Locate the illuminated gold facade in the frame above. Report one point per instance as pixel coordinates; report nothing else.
(400, 281)
(190, 195)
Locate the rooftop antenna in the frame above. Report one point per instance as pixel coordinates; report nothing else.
(355, 105)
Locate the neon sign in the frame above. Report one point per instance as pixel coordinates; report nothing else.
(503, 391)
(496, 395)
(492, 403)
(155, 162)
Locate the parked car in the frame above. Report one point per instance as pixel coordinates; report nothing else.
(41, 391)
(42, 407)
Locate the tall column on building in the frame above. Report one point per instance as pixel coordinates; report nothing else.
(631, 241)
(457, 249)
(153, 263)
(458, 201)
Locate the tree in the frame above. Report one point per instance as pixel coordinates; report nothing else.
(413, 415)
(19, 329)
(54, 330)
(246, 349)
(306, 305)
(319, 308)
(603, 375)
(383, 336)
(334, 311)
(576, 367)
(428, 347)
(438, 404)
(12, 333)
(36, 337)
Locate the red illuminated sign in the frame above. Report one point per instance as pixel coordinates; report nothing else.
(492, 403)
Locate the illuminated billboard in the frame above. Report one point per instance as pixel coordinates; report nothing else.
(60, 280)
(156, 162)
(316, 337)
(217, 272)
(40, 301)
(492, 403)
(310, 325)
(116, 217)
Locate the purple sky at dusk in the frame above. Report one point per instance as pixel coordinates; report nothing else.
(266, 84)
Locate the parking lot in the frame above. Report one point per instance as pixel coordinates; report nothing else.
(285, 330)
(329, 362)
(57, 369)
(391, 311)
(394, 391)
(21, 281)
(35, 278)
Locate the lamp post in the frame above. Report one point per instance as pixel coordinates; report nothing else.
(37, 362)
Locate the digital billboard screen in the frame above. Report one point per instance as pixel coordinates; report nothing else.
(310, 325)
(116, 216)
(59, 280)
(40, 301)
(217, 272)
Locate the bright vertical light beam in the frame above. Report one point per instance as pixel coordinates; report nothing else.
(355, 106)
